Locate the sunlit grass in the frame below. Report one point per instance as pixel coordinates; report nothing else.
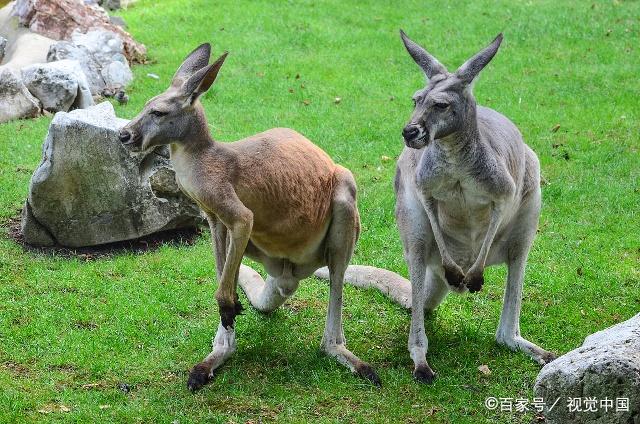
(143, 320)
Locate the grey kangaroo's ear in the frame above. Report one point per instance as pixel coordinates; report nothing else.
(201, 81)
(196, 60)
(428, 63)
(472, 67)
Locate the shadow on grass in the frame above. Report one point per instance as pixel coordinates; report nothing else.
(179, 237)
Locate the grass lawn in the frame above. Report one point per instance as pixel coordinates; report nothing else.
(73, 331)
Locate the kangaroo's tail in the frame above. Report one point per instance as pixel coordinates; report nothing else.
(394, 286)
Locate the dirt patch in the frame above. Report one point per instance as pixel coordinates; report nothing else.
(181, 237)
(296, 304)
(17, 370)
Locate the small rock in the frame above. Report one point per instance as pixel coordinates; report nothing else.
(154, 76)
(122, 97)
(124, 387)
(60, 85)
(111, 4)
(116, 75)
(119, 21)
(15, 100)
(484, 370)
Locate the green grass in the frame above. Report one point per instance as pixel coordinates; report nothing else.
(145, 319)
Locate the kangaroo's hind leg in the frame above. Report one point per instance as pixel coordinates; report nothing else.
(508, 332)
(340, 241)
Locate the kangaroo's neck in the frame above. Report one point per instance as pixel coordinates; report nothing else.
(196, 132)
(196, 136)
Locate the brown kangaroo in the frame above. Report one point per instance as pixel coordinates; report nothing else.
(274, 197)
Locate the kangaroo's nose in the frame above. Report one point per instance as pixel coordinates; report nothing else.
(125, 136)
(410, 132)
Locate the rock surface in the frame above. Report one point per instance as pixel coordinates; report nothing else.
(60, 86)
(3, 46)
(111, 4)
(101, 57)
(59, 19)
(606, 366)
(90, 190)
(15, 100)
(23, 47)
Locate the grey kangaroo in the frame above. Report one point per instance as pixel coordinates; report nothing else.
(467, 196)
(274, 197)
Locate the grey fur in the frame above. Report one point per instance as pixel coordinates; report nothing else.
(468, 195)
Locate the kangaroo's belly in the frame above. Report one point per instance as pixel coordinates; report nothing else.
(464, 227)
(298, 245)
(287, 182)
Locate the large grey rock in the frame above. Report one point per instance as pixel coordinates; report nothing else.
(101, 56)
(105, 45)
(90, 66)
(60, 85)
(90, 190)
(606, 366)
(15, 100)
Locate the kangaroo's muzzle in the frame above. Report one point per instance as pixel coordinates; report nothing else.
(129, 139)
(415, 136)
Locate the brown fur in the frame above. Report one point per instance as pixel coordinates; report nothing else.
(274, 196)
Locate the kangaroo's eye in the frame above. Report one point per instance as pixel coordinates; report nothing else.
(158, 113)
(441, 106)
(415, 101)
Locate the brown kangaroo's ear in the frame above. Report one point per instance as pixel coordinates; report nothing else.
(201, 81)
(196, 60)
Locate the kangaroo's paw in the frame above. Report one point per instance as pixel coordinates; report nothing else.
(424, 374)
(199, 376)
(474, 282)
(454, 276)
(367, 372)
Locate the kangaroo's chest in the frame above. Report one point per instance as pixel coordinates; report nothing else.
(453, 185)
(463, 207)
(186, 180)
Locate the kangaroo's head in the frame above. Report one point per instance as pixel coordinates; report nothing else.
(175, 116)
(446, 103)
